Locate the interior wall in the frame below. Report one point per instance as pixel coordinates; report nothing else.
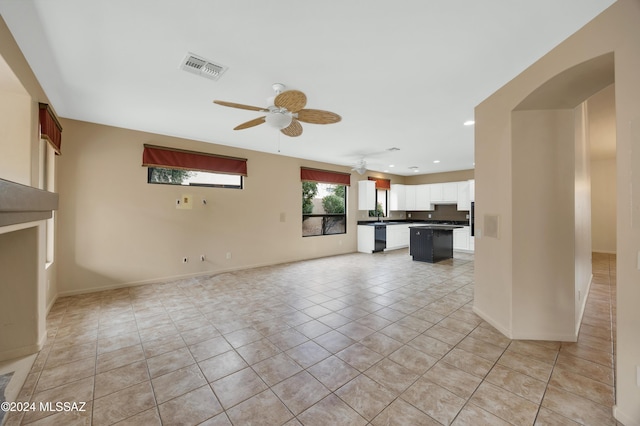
(19, 128)
(18, 303)
(456, 176)
(15, 137)
(115, 229)
(614, 31)
(603, 208)
(602, 135)
(582, 214)
(543, 224)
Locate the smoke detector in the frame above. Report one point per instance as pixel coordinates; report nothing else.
(198, 65)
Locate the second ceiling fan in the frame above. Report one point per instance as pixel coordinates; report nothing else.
(286, 112)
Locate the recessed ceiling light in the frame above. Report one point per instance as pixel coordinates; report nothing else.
(436, 161)
(391, 165)
(416, 171)
(386, 171)
(469, 123)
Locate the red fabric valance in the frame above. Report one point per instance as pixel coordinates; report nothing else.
(381, 183)
(158, 156)
(50, 128)
(325, 176)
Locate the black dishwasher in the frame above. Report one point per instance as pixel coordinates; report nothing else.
(380, 238)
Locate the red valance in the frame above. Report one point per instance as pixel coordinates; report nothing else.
(158, 156)
(325, 176)
(50, 128)
(381, 183)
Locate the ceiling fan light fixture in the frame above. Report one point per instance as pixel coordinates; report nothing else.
(279, 120)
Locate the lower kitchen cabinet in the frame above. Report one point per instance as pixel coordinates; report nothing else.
(461, 237)
(397, 236)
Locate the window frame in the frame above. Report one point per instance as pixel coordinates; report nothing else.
(327, 216)
(150, 170)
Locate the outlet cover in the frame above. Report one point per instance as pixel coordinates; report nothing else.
(185, 202)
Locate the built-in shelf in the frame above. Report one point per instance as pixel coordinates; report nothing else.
(21, 204)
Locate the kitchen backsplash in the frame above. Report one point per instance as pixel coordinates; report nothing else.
(441, 212)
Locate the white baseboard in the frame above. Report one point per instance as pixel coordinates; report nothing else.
(181, 277)
(624, 418)
(493, 322)
(583, 307)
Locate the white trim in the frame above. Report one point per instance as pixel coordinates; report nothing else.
(493, 322)
(583, 307)
(624, 418)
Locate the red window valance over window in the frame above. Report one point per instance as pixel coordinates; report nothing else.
(325, 176)
(158, 156)
(381, 183)
(50, 128)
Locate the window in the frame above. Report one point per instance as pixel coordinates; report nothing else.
(173, 166)
(382, 197)
(324, 202)
(169, 176)
(46, 181)
(382, 206)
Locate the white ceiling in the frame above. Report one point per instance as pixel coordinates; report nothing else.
(402, 74)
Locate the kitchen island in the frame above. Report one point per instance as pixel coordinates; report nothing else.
(431, 243)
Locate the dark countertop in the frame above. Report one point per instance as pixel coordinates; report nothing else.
(436, 226)
(453, 223)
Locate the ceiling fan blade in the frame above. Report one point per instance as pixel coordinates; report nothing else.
(294, 129)
(292, 100)
(250, 123)
(241, 106)
(318, 116)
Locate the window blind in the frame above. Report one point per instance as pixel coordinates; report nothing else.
(50, 128)
(381, 183)
(158, 156)
(325, 176)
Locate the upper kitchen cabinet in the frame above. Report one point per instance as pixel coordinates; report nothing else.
(450, 192)
(366, 195)
(437, 192)
(463, 197)
(472, 190)
(398, 197)
(423, 197)
(410, 194)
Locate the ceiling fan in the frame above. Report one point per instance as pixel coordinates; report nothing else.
(285, 112)
(360, 167)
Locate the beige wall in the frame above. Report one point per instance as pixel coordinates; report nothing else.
(603, 207)
(20, 93)
(602, 134)
(457, 176)
(115, 229)
(497, 173)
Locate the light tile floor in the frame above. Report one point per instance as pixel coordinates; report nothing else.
(347, 340)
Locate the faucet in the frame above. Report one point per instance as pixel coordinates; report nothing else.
(379, 220)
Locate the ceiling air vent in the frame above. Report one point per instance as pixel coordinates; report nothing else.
(203, 67)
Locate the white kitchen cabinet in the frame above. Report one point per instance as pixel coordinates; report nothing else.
(461, 238)
(410, 197)
(472, 244)
(464, 201)
(472, 190)
(423, 197)
(450, 192)
(398, 197)
(366, 195)
(436, 192)
(366, 238)
(397, 236)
